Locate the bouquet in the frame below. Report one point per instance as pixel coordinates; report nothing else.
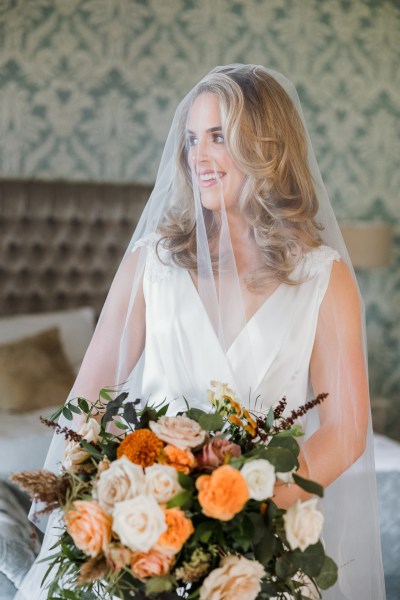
(180, 506)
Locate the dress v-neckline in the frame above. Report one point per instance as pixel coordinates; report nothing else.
(249, 323)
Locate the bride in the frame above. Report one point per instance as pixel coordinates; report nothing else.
(237, 272)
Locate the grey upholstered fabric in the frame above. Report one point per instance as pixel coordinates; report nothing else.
(18, 541)
(61, 243)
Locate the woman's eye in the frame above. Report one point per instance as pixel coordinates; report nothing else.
(219, 138)
(193, 140)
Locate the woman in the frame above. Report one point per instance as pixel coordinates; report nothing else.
(237, 272)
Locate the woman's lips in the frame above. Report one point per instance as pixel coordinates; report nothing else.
(210, 178)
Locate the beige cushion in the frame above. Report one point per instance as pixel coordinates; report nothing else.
(34, 372)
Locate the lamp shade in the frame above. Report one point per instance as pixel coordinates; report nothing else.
(368, 243)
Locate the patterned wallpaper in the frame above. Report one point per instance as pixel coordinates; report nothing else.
(88, 89)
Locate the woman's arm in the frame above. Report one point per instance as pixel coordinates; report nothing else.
(337, 367)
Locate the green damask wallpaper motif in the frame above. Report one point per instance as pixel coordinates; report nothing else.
(88, 89)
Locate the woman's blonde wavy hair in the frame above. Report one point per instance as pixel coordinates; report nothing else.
(266, 139)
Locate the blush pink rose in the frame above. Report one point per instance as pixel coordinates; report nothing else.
(213, 454)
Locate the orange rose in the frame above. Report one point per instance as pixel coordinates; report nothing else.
(150, 564)
(223, 493)
(179, 530)
(89, 526)
(181, 460)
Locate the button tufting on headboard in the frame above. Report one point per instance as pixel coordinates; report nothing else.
(61, 243)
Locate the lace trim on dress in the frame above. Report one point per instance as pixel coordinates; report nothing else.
(158, 267)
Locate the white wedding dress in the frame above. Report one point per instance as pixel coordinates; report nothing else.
(183, 353)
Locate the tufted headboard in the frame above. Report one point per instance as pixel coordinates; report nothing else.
(61, 243)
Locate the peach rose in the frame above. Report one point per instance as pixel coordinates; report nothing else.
(179, 431)
(181, 460)
(223, 493)
(235, 579)
(150, 564)
(89, 526)
(179, 530)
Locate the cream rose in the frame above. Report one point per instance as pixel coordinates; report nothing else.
(287, 476)
(139, 522)
(179, 431)
(235, 579)
(162, 482)
(303, 524)
(74, 454)
(260, 478)
(121, 481)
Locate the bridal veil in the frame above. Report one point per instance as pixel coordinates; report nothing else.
(289, 215)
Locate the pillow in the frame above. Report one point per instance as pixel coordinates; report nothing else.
(76, 329)
(34, 372)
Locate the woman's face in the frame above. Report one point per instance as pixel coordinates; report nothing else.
(217, 175)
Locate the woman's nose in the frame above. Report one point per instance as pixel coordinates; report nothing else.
(201, 151)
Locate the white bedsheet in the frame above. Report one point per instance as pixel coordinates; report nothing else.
(24, 441)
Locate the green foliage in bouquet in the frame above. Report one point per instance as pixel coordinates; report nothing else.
(167, 507)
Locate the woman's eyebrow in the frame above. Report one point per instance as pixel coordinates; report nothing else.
(210, 130)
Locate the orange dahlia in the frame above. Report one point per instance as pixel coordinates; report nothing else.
(141, 447)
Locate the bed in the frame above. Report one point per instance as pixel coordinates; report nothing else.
(60, 244)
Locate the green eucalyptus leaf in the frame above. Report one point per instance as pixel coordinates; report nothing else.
(83, 405)
(67, 413)
(266, 547)
(56, 414)
(91, 449)
(109, 450)
(309, 486)
(105, 395)
(211, 422)
(269, 420)
(285, 442)
(294, 431)
(185, 481)
(195, 414)
(311, 560)
(74, 408)
(204, 532)
(284, 567)
(163, 410)
(259, 528)
(281, 458)
(181, 500)
(120, 425)
(328, 575)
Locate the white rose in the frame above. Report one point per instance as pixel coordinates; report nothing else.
(303, 524)
(235, 579)
(287, 476)
(90, 430)
(162, 482)
(139, 522)
(260, 478)
(121, 481)
(179, 431)
(74, 454)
